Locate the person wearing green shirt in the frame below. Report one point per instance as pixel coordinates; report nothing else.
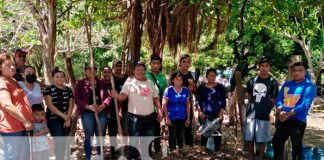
(156, 76)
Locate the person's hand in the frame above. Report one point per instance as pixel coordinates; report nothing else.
(28, 125)
(202, 115)
(114, 93)
(167, 121)
(67, 123)
(66, 117)
(221, 116)
(283, 116)
(100, 108)
(187, 122)
(93, 107)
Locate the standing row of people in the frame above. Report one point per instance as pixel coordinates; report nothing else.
(144, 100)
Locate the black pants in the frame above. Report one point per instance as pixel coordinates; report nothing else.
(157, 132)
(295, 130)
(188, 131)
(112, 130)
(176, 134)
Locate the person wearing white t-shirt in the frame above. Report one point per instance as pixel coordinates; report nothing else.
(142, 98)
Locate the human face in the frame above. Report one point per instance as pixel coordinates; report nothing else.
(106, 73)
(264, 69)
(20, 59)
(185, 64)
(8, 68)
(299, 73)
(38, 115)
(59, 78)
(211, 77)
(177, 81)
(29, 71)
(88, 72)
(155, 66)
(139, 72)
(117, 68)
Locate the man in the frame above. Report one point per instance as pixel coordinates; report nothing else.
(20, 60)
(262, 91)
(190, 81)
(157, 77)
(119, 79)
(292, 105)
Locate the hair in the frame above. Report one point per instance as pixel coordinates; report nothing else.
(155, 57)
(3, 58)
(37, 107)
(184, 57)
(115, 62)
(265, 59)
(28, 66)
(19, 50)
(139, 63)
(107, 68)
(174, 75)
(211, 70)
(299, 64)
(57, 70)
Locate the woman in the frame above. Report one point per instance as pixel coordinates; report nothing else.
(30, 86)
(211, 102)
(112, 118)
(59, 102)
(87, 107)
(142, 98)
(15, 112)
(176, 104)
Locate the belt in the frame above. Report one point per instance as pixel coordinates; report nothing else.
(141, 116)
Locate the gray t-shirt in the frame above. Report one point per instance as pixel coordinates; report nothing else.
(262, 92)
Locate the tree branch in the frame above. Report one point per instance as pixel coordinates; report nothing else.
(68, 8)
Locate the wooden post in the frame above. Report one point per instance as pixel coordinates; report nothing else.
(240, 97)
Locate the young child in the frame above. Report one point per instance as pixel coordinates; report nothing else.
(40, 142)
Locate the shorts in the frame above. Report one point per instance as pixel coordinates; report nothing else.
(257, 130)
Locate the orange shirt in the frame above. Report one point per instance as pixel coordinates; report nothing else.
(8, 124)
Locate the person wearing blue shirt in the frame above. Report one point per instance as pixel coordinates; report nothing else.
(293, 102)
(211, 103)
(176, 105)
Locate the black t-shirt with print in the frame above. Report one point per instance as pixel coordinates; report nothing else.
(262, 92)
(60, 99)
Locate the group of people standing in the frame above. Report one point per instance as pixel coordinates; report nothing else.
(144, 101)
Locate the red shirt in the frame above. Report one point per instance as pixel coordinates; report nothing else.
(8, 124)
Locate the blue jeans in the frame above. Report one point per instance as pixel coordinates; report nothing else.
(140, 125)
(58, 132)
(90, 128)
(15, 145)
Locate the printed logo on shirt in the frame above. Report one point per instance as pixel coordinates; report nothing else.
(259, 91)
(290, 100)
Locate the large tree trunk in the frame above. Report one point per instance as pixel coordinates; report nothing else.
(47, 31)
(135, 34)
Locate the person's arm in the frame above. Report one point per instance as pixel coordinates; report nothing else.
(188, 111)
(80, 101)
(157, 104)
(165, 110)
(120, 97)
(52, 108)
(198, 101)
(107, 99)
(308, 97)
(223, 102)
(7, 106)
